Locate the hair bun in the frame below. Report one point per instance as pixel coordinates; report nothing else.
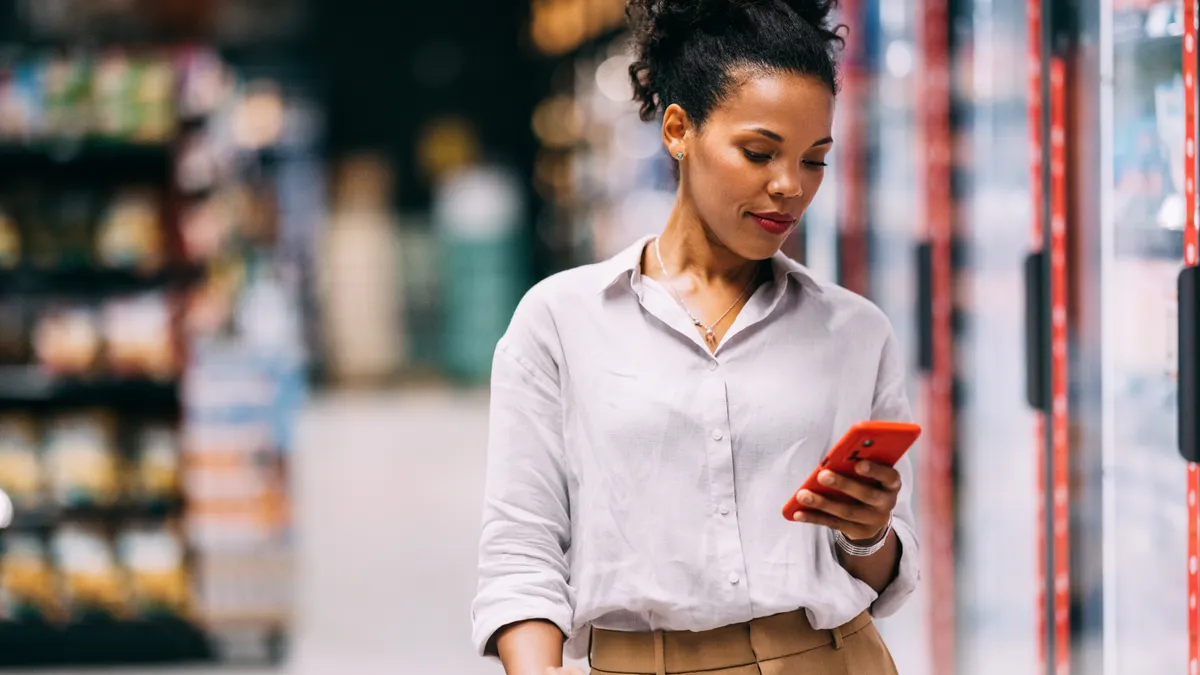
(663, 28)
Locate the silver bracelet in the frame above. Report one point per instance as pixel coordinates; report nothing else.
(850, 548)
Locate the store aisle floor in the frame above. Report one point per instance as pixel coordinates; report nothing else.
(388, 492)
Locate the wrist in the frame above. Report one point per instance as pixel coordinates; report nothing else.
(862, 548)
(874, 538)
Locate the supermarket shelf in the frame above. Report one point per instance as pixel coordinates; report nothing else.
(100, 640)
(25, 386)
(49, 517)
(91, 281)
(85, 157)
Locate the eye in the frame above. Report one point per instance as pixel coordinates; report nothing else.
(756, 157)
(815, 165)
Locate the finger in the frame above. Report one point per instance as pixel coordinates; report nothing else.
(824, 519)
(854, 513)
(888, 477)
(857, 489)
(852, 530)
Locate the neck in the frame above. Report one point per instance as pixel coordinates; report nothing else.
(688, 248)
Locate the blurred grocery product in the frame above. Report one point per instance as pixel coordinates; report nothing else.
(10, 241)
(157, 469)
(138, 337)
(21, 476)
(67, 339)
(130, 234)
(7, 510)
(483, 256)
(21, 92)
(153, 556)
(361, 304)
(81, 460)
(88, 571)
(205, 82)
(29, 588)
(67, 96)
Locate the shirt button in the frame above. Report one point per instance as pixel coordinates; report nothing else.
(724, 510)
(712, 365)
(717, 435)
(734, 578)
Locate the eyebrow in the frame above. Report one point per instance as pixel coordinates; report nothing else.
(779, 139)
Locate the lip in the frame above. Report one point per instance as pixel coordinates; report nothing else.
(774, 222)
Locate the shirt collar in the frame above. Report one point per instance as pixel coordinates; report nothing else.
(625, 268)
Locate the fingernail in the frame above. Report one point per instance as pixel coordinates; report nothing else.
(864, 468)
(826, 478)
(806, 498)
(798, 516)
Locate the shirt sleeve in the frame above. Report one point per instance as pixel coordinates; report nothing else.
(891, 405)
(523, 573)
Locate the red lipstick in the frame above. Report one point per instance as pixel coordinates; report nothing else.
(775, 223)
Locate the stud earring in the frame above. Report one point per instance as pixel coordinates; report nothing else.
(679, 155)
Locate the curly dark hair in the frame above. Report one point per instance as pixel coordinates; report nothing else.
(688, 51)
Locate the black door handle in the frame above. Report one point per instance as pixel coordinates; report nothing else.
(1189, 364)
(925, 307)
(1037, 365)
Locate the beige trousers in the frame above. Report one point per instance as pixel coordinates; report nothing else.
(783, 644)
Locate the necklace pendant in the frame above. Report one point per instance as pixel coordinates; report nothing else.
(710, 338)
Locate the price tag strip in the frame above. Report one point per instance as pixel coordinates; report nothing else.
(1060, 446)
(1190, 243)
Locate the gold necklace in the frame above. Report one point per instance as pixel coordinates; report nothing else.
(709, 337)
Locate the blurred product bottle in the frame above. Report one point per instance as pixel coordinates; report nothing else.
(10, 242)
(478, 214)
(360, 295)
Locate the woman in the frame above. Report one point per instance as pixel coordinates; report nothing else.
(652, 413)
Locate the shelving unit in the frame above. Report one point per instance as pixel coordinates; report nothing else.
(58, 629)
(213, 411)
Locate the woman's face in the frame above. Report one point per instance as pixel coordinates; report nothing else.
(756, 164)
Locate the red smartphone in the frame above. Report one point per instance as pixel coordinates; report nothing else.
(879, 442)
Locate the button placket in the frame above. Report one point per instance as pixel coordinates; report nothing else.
(729, 558)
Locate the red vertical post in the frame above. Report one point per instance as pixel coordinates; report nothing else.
(852, 208)
(1033, 12)
(936, 459)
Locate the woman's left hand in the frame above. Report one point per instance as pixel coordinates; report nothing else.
(873, 491)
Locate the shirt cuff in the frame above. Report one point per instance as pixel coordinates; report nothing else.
(488, 620)
(897, 593)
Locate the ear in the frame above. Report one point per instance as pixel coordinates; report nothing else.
(677, 130)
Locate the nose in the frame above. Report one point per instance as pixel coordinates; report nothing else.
(787, 184)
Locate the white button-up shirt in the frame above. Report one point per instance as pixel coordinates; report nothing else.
(635, 481)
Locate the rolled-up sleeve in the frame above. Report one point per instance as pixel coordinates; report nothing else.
(891, 405)
(523, 573)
